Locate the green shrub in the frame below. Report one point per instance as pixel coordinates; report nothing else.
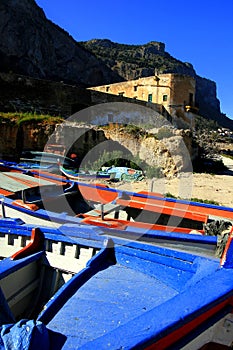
(206, 201)
(34, 118)
(164, 133)
(20, 118)
(115, 158)
(153, 171)
(169, 195)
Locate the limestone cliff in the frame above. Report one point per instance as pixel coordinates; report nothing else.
(18, 137)
(171, 154)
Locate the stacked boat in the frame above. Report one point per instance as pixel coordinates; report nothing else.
(86, 266)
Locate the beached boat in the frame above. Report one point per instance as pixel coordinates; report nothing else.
(85, 175)
(99, 205)
(111, 173)
(30, 198)
(46, 159)
(129, 296)
(125, 174)
(14, 233)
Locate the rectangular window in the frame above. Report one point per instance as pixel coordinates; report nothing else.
(107, 88)
(164, 98)
(190, 99)
(150, 97)
(135, 88)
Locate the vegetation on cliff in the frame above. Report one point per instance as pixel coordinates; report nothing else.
(134, 61)
(21, 118)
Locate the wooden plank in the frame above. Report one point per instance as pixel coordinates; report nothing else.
(96, 194)
(195, 207)
(10, 184)
(14, 182)
(163, 210)
(5, 193)
(107, 209)
(91, 220)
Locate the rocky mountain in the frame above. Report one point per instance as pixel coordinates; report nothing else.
(136, 61)
(32, 45)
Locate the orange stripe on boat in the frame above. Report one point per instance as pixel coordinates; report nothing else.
(122, 224)
(5, 192)
(195, 208)
(163, 210)
(29, 206)
(97, 194)
(181, 332)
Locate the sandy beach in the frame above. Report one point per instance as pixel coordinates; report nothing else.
(218, 188)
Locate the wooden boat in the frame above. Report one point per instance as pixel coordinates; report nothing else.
(100, 205)
(129, 296)
(52, 168)
(85, 175)
(126, 174)
(112, 173)
(175, 240)
(39, 200)
(47, 159)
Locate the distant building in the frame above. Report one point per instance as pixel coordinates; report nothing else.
(175, 92)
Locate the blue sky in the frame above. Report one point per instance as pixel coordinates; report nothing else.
(199, 32)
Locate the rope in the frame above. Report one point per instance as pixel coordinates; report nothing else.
(221, 229)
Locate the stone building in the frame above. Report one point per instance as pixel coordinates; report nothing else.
(175, 92)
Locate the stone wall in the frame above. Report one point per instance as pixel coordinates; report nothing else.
(25, 94)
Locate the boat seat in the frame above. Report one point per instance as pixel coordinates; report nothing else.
(103, 209)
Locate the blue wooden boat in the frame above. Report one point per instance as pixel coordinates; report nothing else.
(82, 175)
(30, 198)
(43, 159)
(13, 229)
(46, 161)
(25, 195)
(112, 173)
(128, 296)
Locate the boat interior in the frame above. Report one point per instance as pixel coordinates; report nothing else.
(35, 265)
(125, 287)
(116, 287)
